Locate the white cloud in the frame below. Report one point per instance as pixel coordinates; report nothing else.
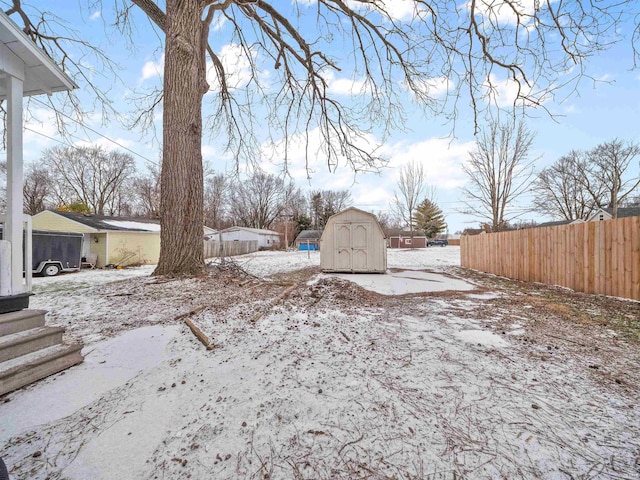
(504, 93)
(40, 128)
(442, 159)
(397, 10)
(237, 67)
(153, 69)
(95, 15)
(436, 87)
(346, 86)
(501, 12)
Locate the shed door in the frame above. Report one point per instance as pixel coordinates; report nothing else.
(342, 235)
(360, 256)
(351, 246)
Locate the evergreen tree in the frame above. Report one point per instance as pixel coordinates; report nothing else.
(429, 219)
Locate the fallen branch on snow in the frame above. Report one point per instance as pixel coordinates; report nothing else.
(194, 328)
(273, 303)
(200, 334)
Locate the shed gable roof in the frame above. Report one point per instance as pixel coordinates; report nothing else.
(333, 218)
(309, 235)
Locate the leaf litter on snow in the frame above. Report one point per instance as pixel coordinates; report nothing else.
(334, 381)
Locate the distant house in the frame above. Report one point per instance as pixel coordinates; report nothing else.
(607, 213)
(115, 240)
(558, 223)
(308, 240)
(402, 239)
(265, 238)
(473, 231)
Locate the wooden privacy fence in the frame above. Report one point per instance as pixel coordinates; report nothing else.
(593, 257)
(229, 248)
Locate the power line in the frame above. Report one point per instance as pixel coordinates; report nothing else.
(85, 127)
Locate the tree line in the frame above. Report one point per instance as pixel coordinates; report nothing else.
(501, 171)
(91, 179)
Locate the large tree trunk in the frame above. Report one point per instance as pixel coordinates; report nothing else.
(181, 205)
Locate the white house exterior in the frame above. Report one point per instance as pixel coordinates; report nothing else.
(607, 213)
(25, 70)
(265, 238)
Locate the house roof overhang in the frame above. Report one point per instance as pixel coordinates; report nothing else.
(20, 57)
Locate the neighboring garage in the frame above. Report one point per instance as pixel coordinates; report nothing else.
(353, 241)
(112, 240)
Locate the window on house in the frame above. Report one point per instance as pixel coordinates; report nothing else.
(601, 216)
(407, 241)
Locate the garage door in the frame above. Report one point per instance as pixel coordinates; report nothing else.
(352, 252)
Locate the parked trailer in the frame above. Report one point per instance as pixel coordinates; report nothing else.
(55, 252)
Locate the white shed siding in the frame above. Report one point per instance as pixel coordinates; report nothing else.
(353, 241)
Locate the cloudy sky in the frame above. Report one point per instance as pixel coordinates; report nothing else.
(605, 106)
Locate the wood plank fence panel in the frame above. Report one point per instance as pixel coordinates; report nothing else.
(595, 257)
(229, 248)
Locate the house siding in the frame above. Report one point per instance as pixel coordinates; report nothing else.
(53, 222)
(132, 248)
(408, 242)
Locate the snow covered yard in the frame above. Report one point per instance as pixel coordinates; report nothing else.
(428, 372)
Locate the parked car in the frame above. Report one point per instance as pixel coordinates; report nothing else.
(437, 242)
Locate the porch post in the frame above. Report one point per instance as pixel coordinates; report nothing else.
(15, 180)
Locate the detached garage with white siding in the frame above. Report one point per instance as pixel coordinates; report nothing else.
(353, 241)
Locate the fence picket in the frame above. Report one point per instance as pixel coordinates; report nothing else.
(596, 257)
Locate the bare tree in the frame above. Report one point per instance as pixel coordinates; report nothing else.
(387, 220)
(615, 163)
(411, 189)
(259, 200)
(146, 189)
(324, 203)
(567, 189)
(37, 189)
(499, 172)
(535, 46)
(216, 199)
(90, 175)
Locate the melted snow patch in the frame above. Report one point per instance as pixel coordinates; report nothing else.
(482, 337)
(399, 283)
(107, 366)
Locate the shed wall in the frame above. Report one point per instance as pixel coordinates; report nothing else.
(353, 241)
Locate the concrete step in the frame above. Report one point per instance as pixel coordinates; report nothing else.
(27, 341)
(15, 322)
(26, 369)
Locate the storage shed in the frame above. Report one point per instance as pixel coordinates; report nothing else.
(353, 241)
(308, 240)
